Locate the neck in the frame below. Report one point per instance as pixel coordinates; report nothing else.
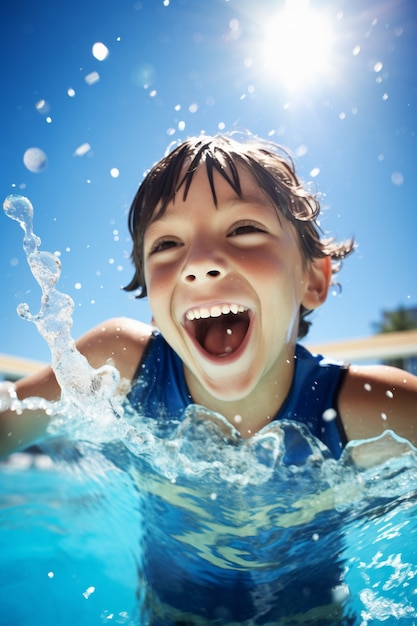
(256, 410)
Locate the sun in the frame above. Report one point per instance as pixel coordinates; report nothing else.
(297, 45)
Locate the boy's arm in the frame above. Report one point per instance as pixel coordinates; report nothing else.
(20, 430)
(119, 342)
(378, 398)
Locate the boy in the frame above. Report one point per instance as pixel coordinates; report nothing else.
(226, 247)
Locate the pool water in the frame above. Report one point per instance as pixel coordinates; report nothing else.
(197, 528)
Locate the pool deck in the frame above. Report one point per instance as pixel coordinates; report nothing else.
(370, 349)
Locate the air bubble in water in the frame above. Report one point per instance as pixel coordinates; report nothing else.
(87, 593)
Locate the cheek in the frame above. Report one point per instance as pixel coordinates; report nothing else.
(261, 262)
(159, 285)
(268, 267)
(154, 278)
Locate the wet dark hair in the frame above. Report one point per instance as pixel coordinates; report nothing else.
(271, 167)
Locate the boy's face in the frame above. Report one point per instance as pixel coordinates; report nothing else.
(225, 286)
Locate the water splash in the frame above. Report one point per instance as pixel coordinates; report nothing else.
(84, 387)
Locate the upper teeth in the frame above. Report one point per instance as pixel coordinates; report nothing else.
(214, 311)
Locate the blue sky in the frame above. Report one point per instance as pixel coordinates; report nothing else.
(176, 68)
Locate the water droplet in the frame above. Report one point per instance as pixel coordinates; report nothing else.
(42, 107)
(329, 415)
(92, 78)
(234, 24)
(82, 149)
(35, 160)
(100, 51)
(397, 178)
(301, 150)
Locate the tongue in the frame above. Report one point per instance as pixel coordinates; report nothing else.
(224, 337)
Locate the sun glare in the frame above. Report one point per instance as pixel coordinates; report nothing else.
(297, 44)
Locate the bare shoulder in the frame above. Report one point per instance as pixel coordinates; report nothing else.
(119, 341)
(377, 398)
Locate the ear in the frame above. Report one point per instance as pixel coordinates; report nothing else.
(317, 282)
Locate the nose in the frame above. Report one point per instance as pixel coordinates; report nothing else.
(202, 265)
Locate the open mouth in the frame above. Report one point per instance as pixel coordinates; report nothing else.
(220, 330)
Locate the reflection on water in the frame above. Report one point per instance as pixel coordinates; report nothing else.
(127, 520)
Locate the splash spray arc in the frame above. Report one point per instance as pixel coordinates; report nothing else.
(77, 379)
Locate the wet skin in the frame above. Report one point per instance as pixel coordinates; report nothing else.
(202, 261)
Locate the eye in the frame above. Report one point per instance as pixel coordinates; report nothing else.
(246, 228)
(163, 244)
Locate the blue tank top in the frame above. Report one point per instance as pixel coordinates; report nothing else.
(159, 389)
(187, 577)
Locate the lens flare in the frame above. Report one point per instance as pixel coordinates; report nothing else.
(297, 45)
